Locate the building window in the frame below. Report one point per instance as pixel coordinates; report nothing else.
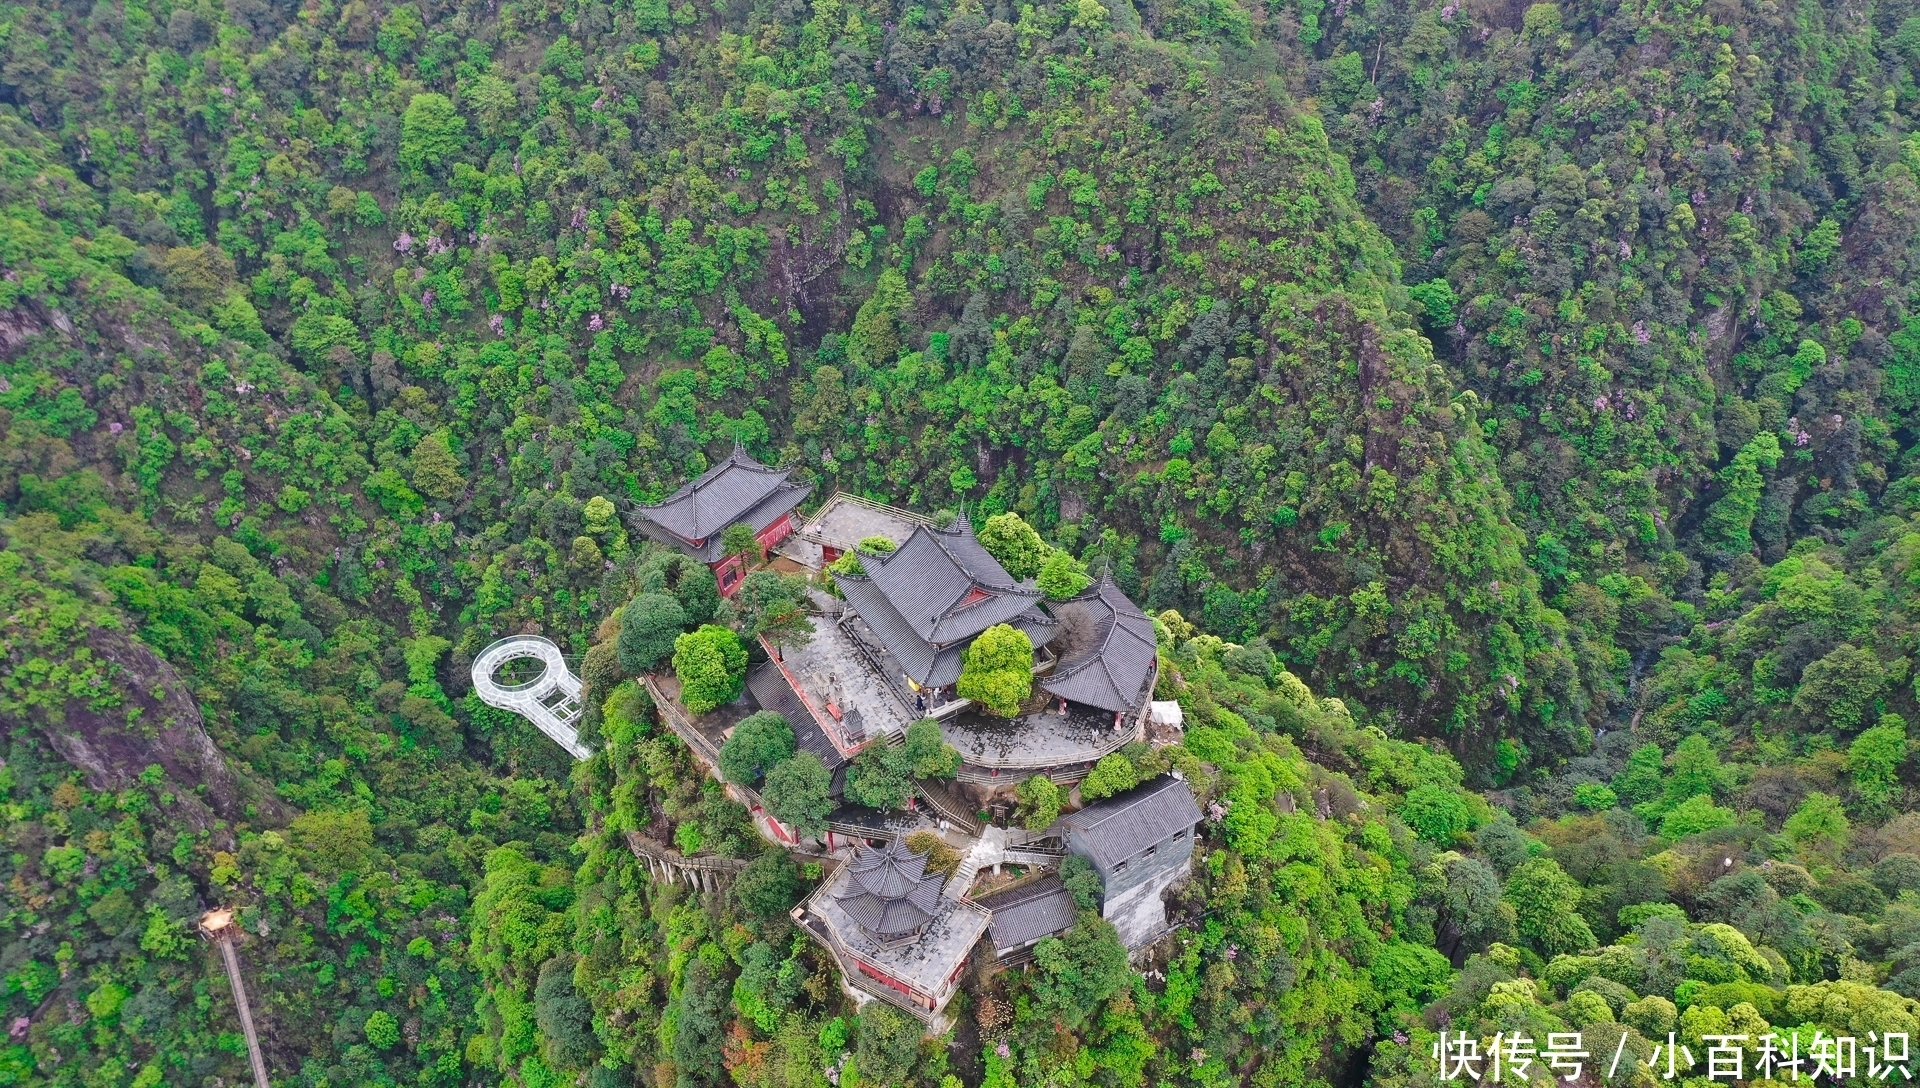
(1151, 850)
(1120, 868)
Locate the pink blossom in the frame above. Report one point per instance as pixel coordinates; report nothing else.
(427, 299)
(620, 291)
(1003, 1049)
(498, 324)
(1449, 11)
(404, 243)
(1600, 403)
(115, 427)
(595, 324)
(1640, 333)
(579, 218)
(1233, 952)
(1626, 251)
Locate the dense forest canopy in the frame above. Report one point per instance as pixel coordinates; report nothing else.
(1508, 410)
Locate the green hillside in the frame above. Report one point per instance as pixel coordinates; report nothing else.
(1506, 409)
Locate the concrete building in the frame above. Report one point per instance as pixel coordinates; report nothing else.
(737, 491)
(1141, 844)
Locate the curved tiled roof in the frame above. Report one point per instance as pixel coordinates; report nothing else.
(889, 891)
(944, 586)
(726, 493)
(1108, 650)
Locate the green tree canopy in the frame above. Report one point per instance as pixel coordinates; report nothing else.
(1079, 970)
(774, 606)
(997, 670)
(1009, 539)
(927, 752)
(799, 793)
(1819, 825)
(1540, 892)
(1114, 773)
(686, 579)
(1040, 801)
(1875, 758)
(1062, 576)
(431, 132)
(878, 777)
(649, 626)
(711, 666)
(436, 471)
(1436, 813)
(739, 539)
(759, 742)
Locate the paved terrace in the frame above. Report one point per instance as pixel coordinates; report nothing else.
(1035, 741)
(839, 680)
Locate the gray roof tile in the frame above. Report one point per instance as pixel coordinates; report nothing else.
(945, 585)
(737, 489)
(1113, 830)
(1029, 912)
(889, 890)
(1108, 650)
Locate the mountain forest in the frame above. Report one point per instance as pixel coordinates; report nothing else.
(1511, 413)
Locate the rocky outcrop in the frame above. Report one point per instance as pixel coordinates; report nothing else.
(157, 724)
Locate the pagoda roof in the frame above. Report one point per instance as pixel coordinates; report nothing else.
(1108, 650)
(943, 587)
(737, 489)
(889, 890)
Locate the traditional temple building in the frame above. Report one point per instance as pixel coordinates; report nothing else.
(926, 600)
(1108, 650)
(1026, 915)
(737, 491)
(894, 933)
(1141, 844)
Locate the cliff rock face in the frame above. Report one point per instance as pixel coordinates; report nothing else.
(158, 725)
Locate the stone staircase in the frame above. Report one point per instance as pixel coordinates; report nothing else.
(988, 849)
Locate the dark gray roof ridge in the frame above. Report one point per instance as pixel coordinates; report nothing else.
(680, 512)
